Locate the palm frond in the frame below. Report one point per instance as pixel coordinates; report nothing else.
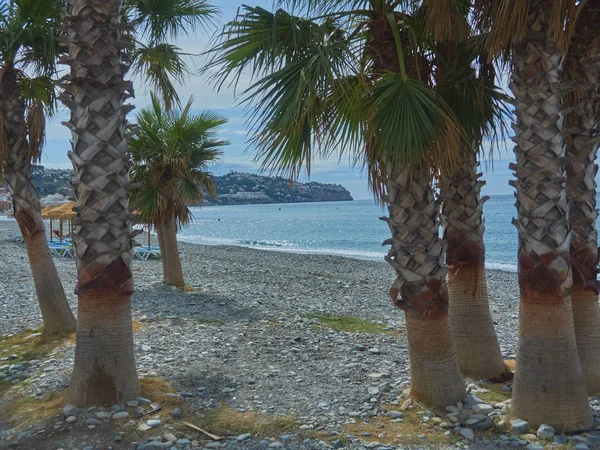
(161, 65)
(160, 20)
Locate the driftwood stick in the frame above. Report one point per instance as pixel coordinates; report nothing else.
(152, 411)
(214, 437)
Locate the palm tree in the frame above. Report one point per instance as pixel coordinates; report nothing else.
(170, 153)
(466, 82)
(357, 78)
(28, 51)
(549, 384)
(581, 70)
(95, 91)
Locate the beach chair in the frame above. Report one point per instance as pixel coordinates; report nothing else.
(141, 253)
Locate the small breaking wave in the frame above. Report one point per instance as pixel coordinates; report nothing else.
(505, 267)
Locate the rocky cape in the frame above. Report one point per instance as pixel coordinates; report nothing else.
(238, 188)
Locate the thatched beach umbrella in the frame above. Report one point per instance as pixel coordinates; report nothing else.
(62, 213)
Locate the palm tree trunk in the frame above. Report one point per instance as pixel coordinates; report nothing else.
(470, 319)
(95, 92)
(417, 255)
(174, 274)
(582, 148)
(18, 174)
(161, 244)
(549, 386)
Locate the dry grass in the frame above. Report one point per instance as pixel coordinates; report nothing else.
(156, 389)
(511, 363)
(23, 412)
(225, 420)
(28, 349)
(400, 433)
(188, 288)
(495, 393)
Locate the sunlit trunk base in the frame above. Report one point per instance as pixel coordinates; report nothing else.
(471, 324)
(161, 244)
(104, 372)
(549, 386)
(174, 275)
(586, 317)
(434, 372)
(57, 316)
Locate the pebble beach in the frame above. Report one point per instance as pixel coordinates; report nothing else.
(256, 331)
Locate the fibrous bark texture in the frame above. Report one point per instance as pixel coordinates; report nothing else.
(170, 254)
(95, 92)
(18, 174)
(583, 63)
(161, 244)
(549, 386)
(417, 256)
(470, 319)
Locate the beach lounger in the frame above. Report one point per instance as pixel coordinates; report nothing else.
(141, 253)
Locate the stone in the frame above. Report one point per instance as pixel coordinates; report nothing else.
(183, 442)
(545, 432)
(338, 444)
(528, 437)
(519, 426)
(156, 445)
(482, 408)
(485, 425)
(275, 444)
(70, 410)
(467, 433)
(120, 415)
(360, 347)
(132, 403)
(146, 348)
(373, 390)
(471, 401)
(535, 446)
(170, 437)
(143, 427)
(92, 421)
(395, 414)
(153, 423)
(581, 446)
(244, 437)
(102, 415)
(143, 400)
(117, 408)
(177, 413)
(384, 387)
(374, 351)
(71, 419)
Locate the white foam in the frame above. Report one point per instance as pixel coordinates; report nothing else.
(505, 267)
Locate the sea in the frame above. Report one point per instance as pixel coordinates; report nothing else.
(352, 229)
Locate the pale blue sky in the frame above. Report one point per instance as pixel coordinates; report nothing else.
(238, 156)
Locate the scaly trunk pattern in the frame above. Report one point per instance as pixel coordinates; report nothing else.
(174, 275)
(161, 244)
(549, 385)
(582, 147)
(417, 256)
(470, 319)
(95, 92)
(18, 174)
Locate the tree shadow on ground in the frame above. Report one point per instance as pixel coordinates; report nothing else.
(164, 302)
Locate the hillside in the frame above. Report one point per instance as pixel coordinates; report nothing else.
(244, 188)
(232, 189)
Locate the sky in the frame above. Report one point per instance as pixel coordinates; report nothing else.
(239, 155)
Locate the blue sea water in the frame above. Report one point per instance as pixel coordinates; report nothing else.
(351, 229)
